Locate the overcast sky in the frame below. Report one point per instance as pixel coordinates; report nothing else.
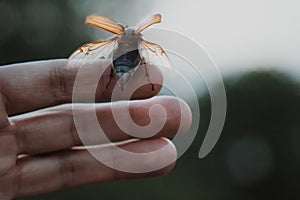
(238, 34)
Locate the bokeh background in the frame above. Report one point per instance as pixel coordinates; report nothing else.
(256, 46)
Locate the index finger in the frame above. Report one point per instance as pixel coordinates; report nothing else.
(34, 85)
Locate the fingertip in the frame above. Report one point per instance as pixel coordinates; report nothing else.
(179, 118)
(144, 83)
(150, 156)
(186, 115)
(150, 78)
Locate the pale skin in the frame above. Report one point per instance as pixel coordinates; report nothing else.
(39, 146)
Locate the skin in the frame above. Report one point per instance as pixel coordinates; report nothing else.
(40, 150)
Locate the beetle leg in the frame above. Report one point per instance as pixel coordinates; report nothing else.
(147, 75)
(111, 75)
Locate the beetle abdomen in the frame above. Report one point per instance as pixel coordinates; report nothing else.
(126, 62)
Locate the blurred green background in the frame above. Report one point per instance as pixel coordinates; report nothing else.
(258, 154)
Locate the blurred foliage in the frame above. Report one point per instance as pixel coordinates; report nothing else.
(258, 154)
(34, 29)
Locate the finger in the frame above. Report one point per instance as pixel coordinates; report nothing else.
(77, 167)
(4, 121)
(33, 85)
(54, 129)
(8, 145)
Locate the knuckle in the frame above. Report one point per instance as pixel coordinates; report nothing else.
(58, 83)
(74, 134)
(65, 112)
(66, 170)
(4, 121)
(8, 150)
(8, 187)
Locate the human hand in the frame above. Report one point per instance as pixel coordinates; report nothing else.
(40, 149)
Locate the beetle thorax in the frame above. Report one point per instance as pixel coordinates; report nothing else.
(129, 37)
(128, 41)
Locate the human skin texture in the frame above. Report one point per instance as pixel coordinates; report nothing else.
(40, 149)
